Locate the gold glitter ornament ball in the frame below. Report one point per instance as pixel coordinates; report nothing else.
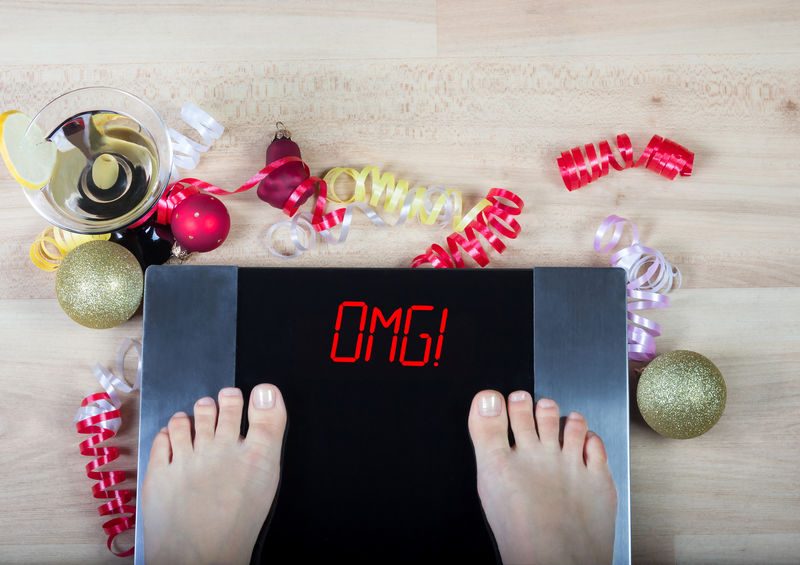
(681, 394)
(99, 284)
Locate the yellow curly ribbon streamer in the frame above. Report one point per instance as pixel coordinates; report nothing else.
(395, 195)
(52, 245)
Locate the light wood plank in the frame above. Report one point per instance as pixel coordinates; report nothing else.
(45, 495)
(745, 548)
(187, 30)
(587, 27)
(740, 478)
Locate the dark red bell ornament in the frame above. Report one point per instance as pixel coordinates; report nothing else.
(200, 223)
(277, 187)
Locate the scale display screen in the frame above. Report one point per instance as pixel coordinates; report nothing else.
(378, 368)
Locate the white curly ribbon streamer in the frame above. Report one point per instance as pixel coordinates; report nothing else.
(304, 237)
(650, 277)
(113, 382)
(186, 152)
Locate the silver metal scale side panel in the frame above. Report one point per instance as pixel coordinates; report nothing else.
(580, 360)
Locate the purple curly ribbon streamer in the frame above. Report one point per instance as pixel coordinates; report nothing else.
(650, 277)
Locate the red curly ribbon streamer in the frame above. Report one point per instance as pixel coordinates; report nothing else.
(321, 220)
(178, 191)
(99, 416)
(498, 216)
(661, 155)
(119, 498)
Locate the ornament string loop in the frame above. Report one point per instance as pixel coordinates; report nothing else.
(99, 417)
(663, 156)
(649, 275)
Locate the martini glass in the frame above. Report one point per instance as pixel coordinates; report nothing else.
(113, 160)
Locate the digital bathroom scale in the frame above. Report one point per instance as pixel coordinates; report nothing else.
(378, 368)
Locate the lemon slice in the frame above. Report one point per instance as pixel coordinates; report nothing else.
(29, 157)
(100, 120)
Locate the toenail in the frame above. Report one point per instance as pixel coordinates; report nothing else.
(546, 403)
(205, 401)
(164, 430)
(179, 415)
(489, 405)
(575, 416)
(265, 397)
(518, 396)
(230, 391)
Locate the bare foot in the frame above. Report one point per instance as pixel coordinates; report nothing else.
(204, 501)
(545, 503)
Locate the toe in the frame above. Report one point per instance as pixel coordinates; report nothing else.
(229, 422)
(180, 435)
(160, 451)
(205, 420)
(488, 423)
(266, 415)
(520, 414)
(594, 452)
(547, 421)
(574, 436)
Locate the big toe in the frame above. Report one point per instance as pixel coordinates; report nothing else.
(488, 423)
(267, 417)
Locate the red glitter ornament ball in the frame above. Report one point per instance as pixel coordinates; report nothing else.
(200, 223)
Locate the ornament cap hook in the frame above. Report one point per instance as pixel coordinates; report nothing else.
(281, 131)
(179, 253)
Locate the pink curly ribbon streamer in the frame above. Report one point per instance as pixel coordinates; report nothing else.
(661, 155)
(650, 277)
(99, 416)
(492, 222)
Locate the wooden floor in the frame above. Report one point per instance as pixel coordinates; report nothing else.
(475, 95)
